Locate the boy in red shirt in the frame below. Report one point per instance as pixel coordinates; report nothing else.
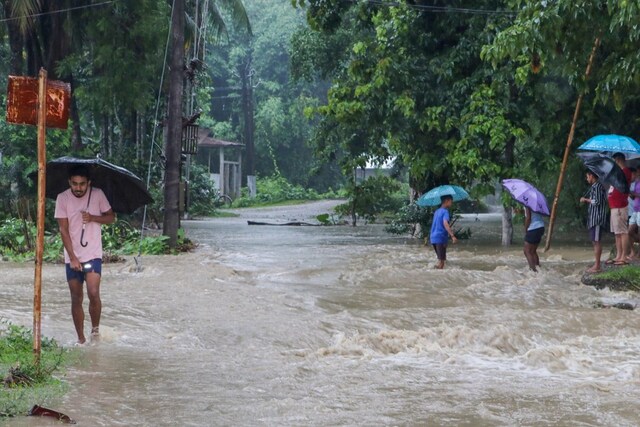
(618, 202)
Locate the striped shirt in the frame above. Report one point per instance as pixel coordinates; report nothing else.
(597, 212)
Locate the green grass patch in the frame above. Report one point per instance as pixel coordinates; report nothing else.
(629, 275)
(24, 382)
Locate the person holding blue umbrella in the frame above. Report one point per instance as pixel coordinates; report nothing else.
(441, 230)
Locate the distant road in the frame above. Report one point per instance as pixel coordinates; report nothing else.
(296, 212)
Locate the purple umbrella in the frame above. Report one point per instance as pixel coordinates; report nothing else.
(527, 195)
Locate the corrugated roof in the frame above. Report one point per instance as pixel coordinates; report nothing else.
(206, 139)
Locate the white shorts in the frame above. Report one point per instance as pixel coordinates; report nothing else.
(634, 219)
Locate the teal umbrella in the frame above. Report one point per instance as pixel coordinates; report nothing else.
(432, 197)
(612, 144)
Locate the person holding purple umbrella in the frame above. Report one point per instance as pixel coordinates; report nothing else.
(534, 226)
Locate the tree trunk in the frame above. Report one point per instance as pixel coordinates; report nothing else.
(171, 221)
(246, 73)
(76, 132)
(507, 226)
(507, 216)
(15, 41)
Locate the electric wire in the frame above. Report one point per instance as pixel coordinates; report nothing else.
(437, 9)
(153, 133)
(53, 12)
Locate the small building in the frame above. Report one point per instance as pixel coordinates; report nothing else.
(224, 162)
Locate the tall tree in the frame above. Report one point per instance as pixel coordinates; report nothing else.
(174, 126)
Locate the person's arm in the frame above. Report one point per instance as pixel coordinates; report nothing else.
(63, 223)
(106, 218)
(445, 222)
(527, 218)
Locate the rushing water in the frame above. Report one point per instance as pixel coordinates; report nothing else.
(298, 326)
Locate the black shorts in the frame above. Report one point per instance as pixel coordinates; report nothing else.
(441, 251)
(92, 266)
(534, 236)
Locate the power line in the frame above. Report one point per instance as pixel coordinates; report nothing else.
(52, 12)
(437, 9)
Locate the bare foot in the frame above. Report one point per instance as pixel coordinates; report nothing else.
(594, 270)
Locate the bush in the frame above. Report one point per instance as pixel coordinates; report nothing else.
(275, 189)
(416, 221)
(372, 197)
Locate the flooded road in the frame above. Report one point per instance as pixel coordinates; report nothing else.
(319, 326)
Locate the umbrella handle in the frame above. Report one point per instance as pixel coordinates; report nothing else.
(83, 244)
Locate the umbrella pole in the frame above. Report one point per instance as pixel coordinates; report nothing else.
(42, 169)
(565, 158)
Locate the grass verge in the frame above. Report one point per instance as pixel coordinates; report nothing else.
(25, 384)
(628, 275)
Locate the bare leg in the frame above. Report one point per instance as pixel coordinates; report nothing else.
(440, 264)
(530, 256)
(625, 246)
(534, 252)
(619, 251)
(95, 304)
(597, 251)
(77, 313)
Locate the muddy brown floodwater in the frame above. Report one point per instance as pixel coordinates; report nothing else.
(324, 326)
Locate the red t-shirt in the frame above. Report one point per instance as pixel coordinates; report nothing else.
(617, 199)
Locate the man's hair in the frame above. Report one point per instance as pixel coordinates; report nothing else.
(632, 169)
(592, 173)
(617, 156)
(79, 170)
(445, 198)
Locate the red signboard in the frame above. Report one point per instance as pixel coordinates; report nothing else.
(22, 101)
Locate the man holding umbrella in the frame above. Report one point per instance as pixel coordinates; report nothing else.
(80, 211)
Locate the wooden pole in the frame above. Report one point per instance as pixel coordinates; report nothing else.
(42, 169)
(565, 158)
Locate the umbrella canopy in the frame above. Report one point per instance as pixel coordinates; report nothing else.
(612, 144)
(527, 195)
(606, 169)
(432, 197)
(124, 190)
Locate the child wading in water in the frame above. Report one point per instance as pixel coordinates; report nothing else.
(441, 231)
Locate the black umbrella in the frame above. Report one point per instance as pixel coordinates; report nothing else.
(124, 190)
(607, 170)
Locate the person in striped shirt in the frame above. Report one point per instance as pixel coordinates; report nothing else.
(596, 216)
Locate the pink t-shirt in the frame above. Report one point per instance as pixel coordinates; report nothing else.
(71, 207)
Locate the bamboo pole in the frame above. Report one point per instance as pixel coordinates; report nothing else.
(565, 158)
(42, 169)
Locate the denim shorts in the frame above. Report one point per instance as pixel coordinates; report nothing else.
(91, 266)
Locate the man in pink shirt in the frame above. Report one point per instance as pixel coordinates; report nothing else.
(80, 211)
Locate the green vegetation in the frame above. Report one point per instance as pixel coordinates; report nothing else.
(416, 221)
(17, 242)
(627, 277)
(26, 384)
(274, 190)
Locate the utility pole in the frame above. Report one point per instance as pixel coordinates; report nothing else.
(171, 222)
(246, 76)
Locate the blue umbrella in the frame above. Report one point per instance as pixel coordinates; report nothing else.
(612, 144)
(527, 195)
(432, 197)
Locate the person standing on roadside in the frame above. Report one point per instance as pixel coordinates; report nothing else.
(618, 202)
(634, 218)
(441, 230)
(81, 210)
(596, 216)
